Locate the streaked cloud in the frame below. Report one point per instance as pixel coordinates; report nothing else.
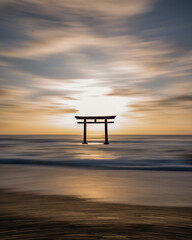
(103, 7)
(164, 104)
(126, 92)
(66, 57)
(10, 93)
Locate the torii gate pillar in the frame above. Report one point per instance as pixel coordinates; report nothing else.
(85, 132)
(95, 118)
(106, 133)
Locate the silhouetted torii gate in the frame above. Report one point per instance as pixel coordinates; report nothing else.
(95, 118)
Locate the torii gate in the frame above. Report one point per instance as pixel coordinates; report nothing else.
(95, 118)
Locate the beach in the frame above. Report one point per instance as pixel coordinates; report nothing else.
(32, 216)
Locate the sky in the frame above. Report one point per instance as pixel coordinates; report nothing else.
(61, 58)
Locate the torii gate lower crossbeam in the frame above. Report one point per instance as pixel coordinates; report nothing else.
(95, 118)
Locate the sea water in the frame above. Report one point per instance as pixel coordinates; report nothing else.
(144, 170)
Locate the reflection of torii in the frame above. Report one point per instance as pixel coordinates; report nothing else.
(95, 122)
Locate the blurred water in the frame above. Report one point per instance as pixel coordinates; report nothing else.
(124, 152)
(145, 170)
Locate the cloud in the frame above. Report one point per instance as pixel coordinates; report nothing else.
(30, 108)
(31, 50)
(10, 93)
(7, 105)
(58, 110)
(126, 92)
(4, 64)
(163, 105)
(40, 38)
(102, 7)
(22, 103)
(4, 92)
(176, 100)
(70, 98)
(110, 7)
(49, 48)
(71, 48)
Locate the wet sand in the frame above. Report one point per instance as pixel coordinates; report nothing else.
(29, 216)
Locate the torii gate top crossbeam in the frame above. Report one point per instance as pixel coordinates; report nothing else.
(95, 117)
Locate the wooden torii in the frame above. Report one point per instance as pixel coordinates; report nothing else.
(95, 118)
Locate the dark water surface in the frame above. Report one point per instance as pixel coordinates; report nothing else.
(124, 152)
(145, 170)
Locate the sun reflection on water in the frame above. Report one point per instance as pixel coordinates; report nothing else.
(94, 153)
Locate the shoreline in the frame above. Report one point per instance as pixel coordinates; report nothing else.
(32, 216)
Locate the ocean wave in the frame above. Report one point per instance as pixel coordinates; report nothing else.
(101, 164)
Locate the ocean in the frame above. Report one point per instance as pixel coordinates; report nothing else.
(143, 170)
